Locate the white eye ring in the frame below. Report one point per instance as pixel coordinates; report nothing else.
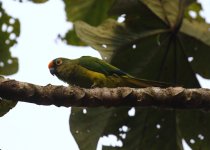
(58, 62)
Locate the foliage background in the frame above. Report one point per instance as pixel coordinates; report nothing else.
(36, 124)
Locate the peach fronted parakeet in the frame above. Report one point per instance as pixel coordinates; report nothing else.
(88, 71)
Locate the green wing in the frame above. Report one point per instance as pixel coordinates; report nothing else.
(100, 66)
(97, 65)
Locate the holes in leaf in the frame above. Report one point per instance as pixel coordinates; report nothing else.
(200, 136)
(132, 112)
(9, 61)
(134, 46)
(193, 14)
(9, 29)
(158, 126)
(11, 20)
(1, 64)
(185, 145)
(190, 59)
(192, 141)
(110, 140)
(7, 42)
(12, 36)
(4, 27)
(122, 135)
(104, 45)
(121, 18)
(124, 128)
(76, 131)
(84, 111)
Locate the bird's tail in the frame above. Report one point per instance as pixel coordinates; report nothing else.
(142, 83)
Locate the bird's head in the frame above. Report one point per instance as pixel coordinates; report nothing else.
(54, 64)
(64, 69)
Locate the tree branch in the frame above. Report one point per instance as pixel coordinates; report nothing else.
(172, 97)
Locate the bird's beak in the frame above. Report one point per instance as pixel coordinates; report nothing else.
(51, 68)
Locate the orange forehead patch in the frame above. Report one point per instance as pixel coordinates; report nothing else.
(50, 65)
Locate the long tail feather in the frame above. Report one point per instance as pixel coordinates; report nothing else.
(146, 83)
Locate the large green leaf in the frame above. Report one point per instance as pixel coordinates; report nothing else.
(167, 10)
(87, 126)
(197, 36)
(147, 52)
(5, 106)
(144, 130)
(10, 30)
(91, 11)
(119, 41)
(194, 8)
(156, 41)
(194, 128)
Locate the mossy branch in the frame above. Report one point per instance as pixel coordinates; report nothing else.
(172, 97)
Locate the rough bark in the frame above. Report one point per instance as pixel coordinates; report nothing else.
(171, 97)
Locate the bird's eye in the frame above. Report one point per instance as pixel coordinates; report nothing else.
(58, 62)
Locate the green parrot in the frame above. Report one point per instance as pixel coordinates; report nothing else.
(88, 72)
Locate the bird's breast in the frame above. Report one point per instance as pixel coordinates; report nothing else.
(83, 77)
(86, 78)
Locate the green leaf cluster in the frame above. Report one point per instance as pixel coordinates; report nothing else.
(9, 31)
(94, 12)
(158, 40)
(5, 106)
